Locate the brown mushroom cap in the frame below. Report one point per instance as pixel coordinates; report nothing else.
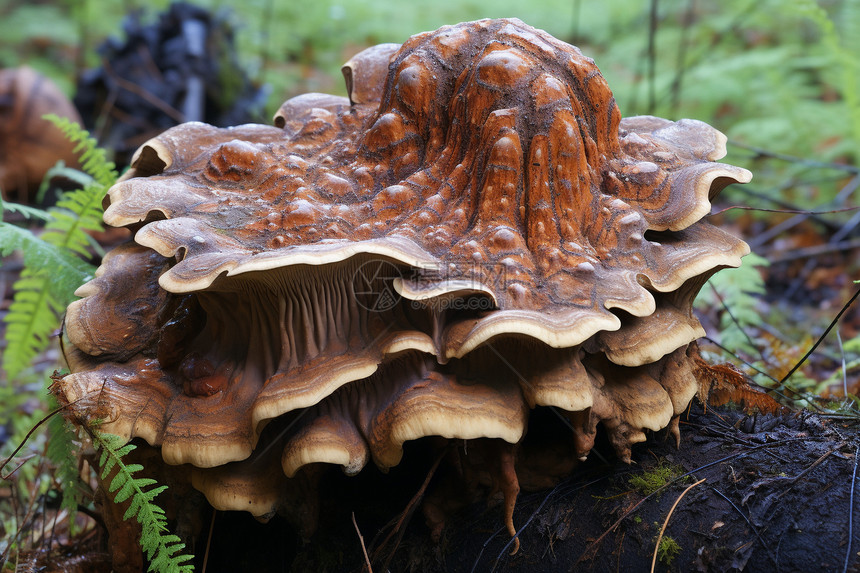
(476, 234)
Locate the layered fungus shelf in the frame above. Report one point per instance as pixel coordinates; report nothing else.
(473, 235)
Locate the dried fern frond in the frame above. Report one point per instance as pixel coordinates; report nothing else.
(723, 383)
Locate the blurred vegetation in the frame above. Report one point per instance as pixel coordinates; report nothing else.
(780, 75)
(777, 74)
(781, 78)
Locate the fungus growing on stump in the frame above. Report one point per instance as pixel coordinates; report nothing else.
(475, 234)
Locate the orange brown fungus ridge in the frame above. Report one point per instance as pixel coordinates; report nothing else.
(474, 233)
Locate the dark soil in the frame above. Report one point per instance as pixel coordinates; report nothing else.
(776, 497)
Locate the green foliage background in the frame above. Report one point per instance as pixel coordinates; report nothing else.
(775, 75)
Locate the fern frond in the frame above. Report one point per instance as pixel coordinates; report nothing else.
(62, 450)
(31, 319)
(740, 290)
(93, 158)
(61, 170)
(67, 271)
(54, 263)
(723, 383)
(26, 210)
(163, 550)
(847, 61)
(45, 287)
(76, 212)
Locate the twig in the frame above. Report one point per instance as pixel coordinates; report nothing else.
(820, 339)
(793, 481)
(407, 513)
(483, 547)
(363, 548)
(750, 523)
(835, 240)
(681, 57)
(208, 541)
(630, 511)
(812, 251)
(851, 511)
(266, 35)
(143, 93)
(767, 236)
(761, 152)
(652, 56)
(727, 436)
(30, 433)
(22, 526)
(665, 523)
(744, 362)
(837, 201)
(735, 320)
(750, 192)
(577, 8)
(806, 212)
(813, 465)
(579, 486)
(846, 229)
(49, 552)
(18, 467)
(844, 365)
(521, 529)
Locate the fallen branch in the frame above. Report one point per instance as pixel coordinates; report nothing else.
(363, 548)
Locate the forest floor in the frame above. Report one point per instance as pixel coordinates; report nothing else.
(776, 495)
(767, 493)
(777, 490)
(742, 493)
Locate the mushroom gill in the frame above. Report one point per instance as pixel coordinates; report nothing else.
(474, 234)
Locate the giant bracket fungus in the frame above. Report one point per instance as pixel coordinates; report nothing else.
(475, 233)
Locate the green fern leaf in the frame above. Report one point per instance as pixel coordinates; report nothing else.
(740, 290)
(25, 210)
(92, 158)
(62, 450)
(164, 559)
(162, 549)
(61, 170)
(107, 463)
(152, 494)
(120, 479)
(55, 263)
(77, 212)
(124, 492)
(67, 270)
(30, 322)
(123, 451)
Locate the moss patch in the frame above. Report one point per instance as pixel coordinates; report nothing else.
(668, 550)
(651, 480)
